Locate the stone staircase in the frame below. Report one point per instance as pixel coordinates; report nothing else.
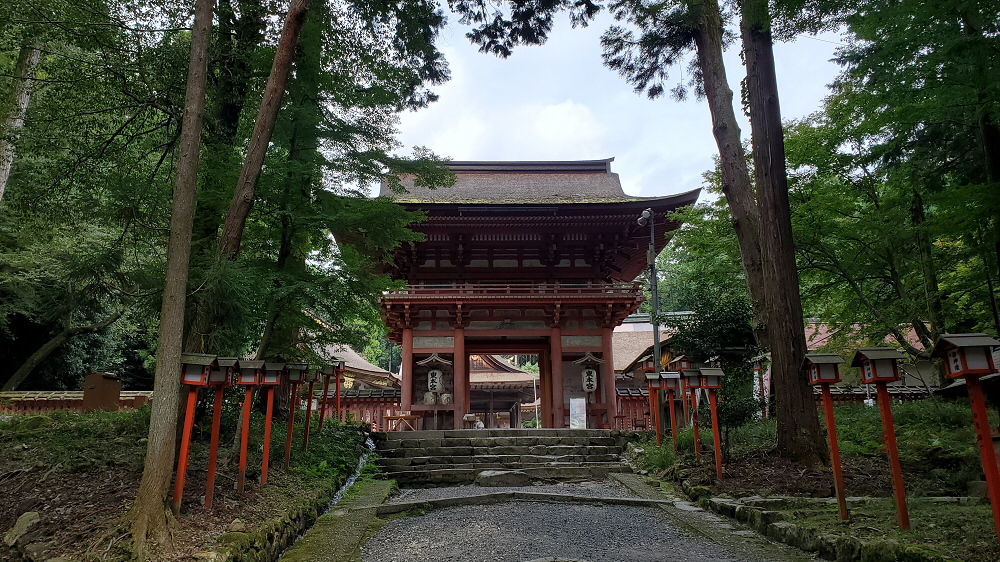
(455, 457)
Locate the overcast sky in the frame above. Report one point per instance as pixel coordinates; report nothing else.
(558, 102)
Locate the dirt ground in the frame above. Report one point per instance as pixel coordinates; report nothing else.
(82, 512)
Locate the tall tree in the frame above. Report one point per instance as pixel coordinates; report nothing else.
(23, 83)
(659, 36)
(149, 512)
(267, 115)
(798, 425)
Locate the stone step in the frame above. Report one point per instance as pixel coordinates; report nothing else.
(505, 460)
(496, 466)
(454, 476)
(526, 441)
(466, 433)
(500, 450)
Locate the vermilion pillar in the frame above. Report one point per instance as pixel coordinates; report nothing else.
(182, 460)
(673, 417)
(694, 425)
(461, 399)
(545, 390)
(268, 419)
(213, 448)
(892, 451)
(309, 406)
(987, 452)
(323, 400)
(838, 469)
(338, 373)
(713, 401)
(558, 407)
(293, 406)
(244, 440)
(406, 393)
(654, 393)
(610, 392)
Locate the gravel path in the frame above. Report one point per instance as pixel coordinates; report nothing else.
(521, 531)
(527, 531)
(607, 489)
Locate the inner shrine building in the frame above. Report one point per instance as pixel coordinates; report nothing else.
(537, 258)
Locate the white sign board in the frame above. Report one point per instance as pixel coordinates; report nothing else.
(578, 413)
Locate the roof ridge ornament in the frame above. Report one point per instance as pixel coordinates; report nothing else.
(434, 358)
(589, 358)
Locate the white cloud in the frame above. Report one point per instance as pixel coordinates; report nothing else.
(558, 101)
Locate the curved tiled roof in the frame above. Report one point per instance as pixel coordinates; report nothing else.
(490, 182)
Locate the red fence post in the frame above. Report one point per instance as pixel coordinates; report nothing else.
(892, 450)
(309, 406)
(293, 406)
(244, 440)
(713, 402)
(694, 425)
(182, 461)
(838, 469)
(213, 450)
(268, 419)
(984, 438)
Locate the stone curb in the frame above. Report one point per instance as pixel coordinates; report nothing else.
(499, 497)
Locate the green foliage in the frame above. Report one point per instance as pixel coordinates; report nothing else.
(936, 439)
(74, 441)
(84, 220)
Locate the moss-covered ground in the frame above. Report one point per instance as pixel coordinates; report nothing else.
(963, 532)
(80, 471)
(938, 452)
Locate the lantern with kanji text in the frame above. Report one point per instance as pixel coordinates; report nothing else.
(196, 368)
(823, 368)
(971, 356)
(877, 364)
(966, 354)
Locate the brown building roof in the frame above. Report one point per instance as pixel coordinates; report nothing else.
(579, 181)
(627, 346)
(358, 367)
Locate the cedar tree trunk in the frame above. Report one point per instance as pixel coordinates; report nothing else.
(799, 436)
(149, 514)
(735, 177)
(243, 198)
(20, 98)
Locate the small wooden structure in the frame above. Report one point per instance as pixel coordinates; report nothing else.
(101, 391)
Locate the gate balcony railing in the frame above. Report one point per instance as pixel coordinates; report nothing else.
(571, 290)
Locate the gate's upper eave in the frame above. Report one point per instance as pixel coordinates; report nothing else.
(524, 183)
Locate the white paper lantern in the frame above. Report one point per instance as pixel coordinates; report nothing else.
(434, 377)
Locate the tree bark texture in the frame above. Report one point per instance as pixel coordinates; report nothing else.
(22, 87)
(43, 352)
(243, 198)
(799, 436)
(932, 293)
(735, 176)
(149, 513)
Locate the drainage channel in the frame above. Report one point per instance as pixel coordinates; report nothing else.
(339, 496)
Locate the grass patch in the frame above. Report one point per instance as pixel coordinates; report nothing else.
(937, 447)
(963, 532)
